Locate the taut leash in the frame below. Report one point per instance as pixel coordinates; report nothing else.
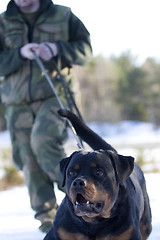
(40, 64)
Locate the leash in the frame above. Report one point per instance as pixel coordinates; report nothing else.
(67, 91)
(41, 66)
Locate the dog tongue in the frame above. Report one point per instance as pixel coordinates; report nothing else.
(84, 207)
(81, 199)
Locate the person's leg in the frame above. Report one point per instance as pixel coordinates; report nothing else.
(48, 136)
(20, 120)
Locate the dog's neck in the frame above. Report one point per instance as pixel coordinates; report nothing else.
(120, 202)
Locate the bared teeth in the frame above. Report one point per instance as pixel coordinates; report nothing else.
(82, 203)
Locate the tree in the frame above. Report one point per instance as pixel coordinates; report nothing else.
(97, 84)
(152, 69)
(117, 89)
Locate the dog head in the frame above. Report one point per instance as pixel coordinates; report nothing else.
(92, 181)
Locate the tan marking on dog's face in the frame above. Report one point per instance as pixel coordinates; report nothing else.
(124, 236)
(76, 167)
(96, 189)
(93, 194)
(64, 235)
(89, 191)
(93, 165)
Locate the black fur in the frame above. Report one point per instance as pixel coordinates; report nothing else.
(106, 193)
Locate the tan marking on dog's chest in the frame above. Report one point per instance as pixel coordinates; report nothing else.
(64, 235)
(124, 236)
(143, 230)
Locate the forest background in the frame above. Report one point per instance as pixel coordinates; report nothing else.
(116, 89)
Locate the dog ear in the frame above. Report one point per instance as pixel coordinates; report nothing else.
(123, 166)
(63, 166)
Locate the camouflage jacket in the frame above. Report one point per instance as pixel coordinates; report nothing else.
(23, 80)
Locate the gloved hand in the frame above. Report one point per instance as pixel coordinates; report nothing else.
(27, 50)
(47, 50)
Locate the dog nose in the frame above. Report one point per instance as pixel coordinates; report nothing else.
(79, 183)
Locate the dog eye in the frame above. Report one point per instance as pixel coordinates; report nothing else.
(72, 173)
(99, 172)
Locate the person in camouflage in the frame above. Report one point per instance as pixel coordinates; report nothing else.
(37, 132)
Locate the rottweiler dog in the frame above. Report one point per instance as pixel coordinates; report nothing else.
(106, 197)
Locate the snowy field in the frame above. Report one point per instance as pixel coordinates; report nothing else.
(16, 217)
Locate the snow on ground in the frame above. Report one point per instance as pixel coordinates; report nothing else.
(17, 219)
(127, 131)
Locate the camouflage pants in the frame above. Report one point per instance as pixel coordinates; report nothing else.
(37, 134)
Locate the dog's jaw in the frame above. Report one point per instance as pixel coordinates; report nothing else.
(84, 207)
(91, 204)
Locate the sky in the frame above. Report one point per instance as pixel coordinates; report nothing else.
(117, 26)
